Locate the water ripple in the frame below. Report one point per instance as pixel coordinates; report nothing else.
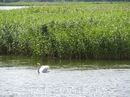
(64, 83)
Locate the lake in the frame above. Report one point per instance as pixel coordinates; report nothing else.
(68, 78)
(11, 7)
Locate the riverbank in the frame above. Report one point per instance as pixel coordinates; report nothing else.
(83, 31)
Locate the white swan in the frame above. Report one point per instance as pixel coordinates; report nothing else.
(43, 69)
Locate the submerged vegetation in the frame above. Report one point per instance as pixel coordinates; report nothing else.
(79, 30)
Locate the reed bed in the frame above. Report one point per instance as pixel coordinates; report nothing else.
(82, 31)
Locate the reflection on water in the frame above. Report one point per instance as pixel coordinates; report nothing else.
(16, 61)
(68, 78)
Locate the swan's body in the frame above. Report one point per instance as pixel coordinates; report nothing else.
(43, 69)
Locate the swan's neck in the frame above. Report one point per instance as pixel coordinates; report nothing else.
(38, 69)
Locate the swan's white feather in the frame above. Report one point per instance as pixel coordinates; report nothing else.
(44, 69)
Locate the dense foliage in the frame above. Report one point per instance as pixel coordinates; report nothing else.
(64, 0)
(78, 30)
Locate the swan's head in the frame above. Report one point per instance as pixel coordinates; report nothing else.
(38, 64)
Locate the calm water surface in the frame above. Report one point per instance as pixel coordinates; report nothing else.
(68, 78)
(11, 7)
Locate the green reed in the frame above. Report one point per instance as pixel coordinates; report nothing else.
(84, 31)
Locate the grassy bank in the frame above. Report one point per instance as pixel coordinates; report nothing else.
(85, 31)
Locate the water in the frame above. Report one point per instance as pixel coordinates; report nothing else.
(68, 78)
(11, 7)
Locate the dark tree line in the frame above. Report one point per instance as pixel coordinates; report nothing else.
(60, 0)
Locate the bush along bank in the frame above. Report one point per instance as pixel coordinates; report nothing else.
(95, 31)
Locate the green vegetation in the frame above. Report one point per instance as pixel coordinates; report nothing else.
(78, 30)
(17, 3)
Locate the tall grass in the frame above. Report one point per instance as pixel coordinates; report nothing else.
(85, 31)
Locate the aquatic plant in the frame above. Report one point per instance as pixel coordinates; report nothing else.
(86, 31)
